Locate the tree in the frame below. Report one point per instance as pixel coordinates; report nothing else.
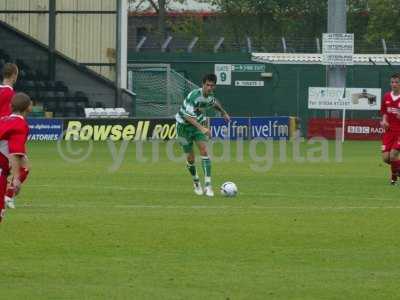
(384, 20)
(160, 8)
(264, 20)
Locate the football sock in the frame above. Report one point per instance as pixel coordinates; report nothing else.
(206, 164)
(395, 167)
(394, 171)
(23, 174)
(192, 171)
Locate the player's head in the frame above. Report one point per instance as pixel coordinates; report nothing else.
(395, 82)
(209, 81)
(21, 103)
(10, 72)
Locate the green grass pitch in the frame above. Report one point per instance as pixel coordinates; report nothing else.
(300, 230)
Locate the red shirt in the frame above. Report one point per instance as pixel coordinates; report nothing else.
(6, 94)
(391, 108)
(14, 131)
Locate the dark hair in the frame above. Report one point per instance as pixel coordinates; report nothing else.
(9, 70)
(396, 75)
(209, 77)
(20, 102)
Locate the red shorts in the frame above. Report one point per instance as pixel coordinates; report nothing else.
(4, 171)
(390, 140)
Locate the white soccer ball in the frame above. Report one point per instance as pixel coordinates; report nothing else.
(229, 189)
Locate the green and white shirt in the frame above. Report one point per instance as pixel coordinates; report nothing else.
(194, 106)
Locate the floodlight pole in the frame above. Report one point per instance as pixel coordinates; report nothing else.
(52, 40)
(336, 75)
(122, 49)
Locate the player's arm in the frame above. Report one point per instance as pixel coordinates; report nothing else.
(17, 155)
(224, 114)
(384, 122)
(16, 162)
(193, 121)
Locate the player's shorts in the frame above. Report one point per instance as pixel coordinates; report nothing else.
(4, 171)
(390, 140)
(187, 134)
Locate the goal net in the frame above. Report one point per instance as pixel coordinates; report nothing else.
(159, 89)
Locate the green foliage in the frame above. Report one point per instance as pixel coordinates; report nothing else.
(384, 20)
(265, 20)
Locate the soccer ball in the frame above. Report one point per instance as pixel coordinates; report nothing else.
(229, 189)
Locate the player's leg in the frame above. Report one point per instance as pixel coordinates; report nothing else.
(387, 144)
(4, 170)
(10, 192)
(3, 186)
(394, 156)
(206, 165)
(386, 159)
(186, 141)
(190, 164)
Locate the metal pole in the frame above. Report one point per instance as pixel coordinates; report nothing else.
(168, 90)
(343, 123)
(52, 40)
(384, 46)
(337, 24)
(122, 48)
(249, 45)
(284, 44)
(192, 44)
(318, 45)
(140, 44)
(218, 44)
(298, 93)
(164, 46)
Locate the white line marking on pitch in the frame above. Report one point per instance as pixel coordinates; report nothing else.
(256, 207)
(255, 194)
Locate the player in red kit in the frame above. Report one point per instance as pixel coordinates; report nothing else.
(10, 75)
(14, 131)
(390, 110)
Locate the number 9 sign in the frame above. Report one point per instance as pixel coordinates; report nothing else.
(223, 73)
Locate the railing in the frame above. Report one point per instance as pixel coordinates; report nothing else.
(176, 43)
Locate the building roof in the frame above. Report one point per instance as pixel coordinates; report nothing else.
(189, 6)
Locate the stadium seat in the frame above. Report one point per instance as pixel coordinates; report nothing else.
(31, 75)
(50, 85)
(60, 86)
(80, 96)
(80, 110)
(99, 112)
(50, 105)
(121, 112)
(90, 112)
(54, 95)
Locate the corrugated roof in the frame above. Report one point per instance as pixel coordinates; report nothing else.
(173, 6)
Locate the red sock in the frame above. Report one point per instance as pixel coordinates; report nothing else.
(10, 191)
(23, 174)
(395, 166)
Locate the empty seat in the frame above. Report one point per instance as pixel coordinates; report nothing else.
(50, 85)
(99, 112)
(60, 86)
(50, 106)
(90, 112)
